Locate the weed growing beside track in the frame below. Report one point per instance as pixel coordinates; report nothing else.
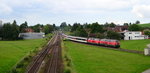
(66, 60)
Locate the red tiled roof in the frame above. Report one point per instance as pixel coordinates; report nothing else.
(117, 28)
(28, 30)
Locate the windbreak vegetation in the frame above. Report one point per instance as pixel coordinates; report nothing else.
(10, 31)
(91, 30)
(101, 31)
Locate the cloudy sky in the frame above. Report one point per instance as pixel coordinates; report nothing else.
(70, 11)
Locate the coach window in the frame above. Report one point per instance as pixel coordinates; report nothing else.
(130, 33)
(137, 33)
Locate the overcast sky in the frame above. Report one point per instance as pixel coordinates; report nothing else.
(70, 11)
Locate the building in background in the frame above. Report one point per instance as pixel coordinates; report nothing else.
(30, 34)
(134, 35)
(33, 35)
(117, 28)
(28, 30)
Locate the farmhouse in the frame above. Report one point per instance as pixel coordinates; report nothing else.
(117, 28)
(134, 35)
(28, 30)
(30, 34)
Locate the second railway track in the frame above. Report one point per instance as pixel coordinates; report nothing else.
(54, 64)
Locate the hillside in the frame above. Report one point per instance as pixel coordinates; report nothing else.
(145, 25)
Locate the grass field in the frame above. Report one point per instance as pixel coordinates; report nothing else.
(12, 52)
(135, 44)
(94, 59)
(145, 25)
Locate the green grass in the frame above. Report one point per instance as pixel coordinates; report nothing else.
(94, 59)
(145, 25)
(135, 44)
(12, 52)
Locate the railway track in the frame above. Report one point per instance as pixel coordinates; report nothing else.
(53, 48)
(54, 64)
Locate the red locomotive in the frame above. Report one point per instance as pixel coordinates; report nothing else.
(102, 42)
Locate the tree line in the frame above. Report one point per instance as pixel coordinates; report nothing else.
(91, 30)
(98, 30)
(10, 31)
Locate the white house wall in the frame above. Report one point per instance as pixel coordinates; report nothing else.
(134, 36)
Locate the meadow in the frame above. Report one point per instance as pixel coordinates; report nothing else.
(145, 25)
(95, 59)
(135, 44)
(11, 52)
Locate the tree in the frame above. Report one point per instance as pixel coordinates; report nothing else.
(96, 28)
(130, 24)
(37, 27)
(6, 31)
(113, 35)
(112, 24)
(134, 27)
(0, 31)
(147, 32)
(69, 25)
(106, 24)
(10, 31)
(87, 29)
(15, 30)
(23, 26)
(75, 26)
(126, 24)
(48, 28)
(54, 26)
(137, 22)
(63, 24)
(109, 24)
(100, 35)
(80, 32)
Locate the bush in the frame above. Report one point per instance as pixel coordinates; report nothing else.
(67, 70)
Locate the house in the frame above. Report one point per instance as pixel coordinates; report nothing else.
(134, 35)
(117, 28)
(28, 30)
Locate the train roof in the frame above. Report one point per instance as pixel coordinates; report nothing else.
(68, 36)
(77, 37)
